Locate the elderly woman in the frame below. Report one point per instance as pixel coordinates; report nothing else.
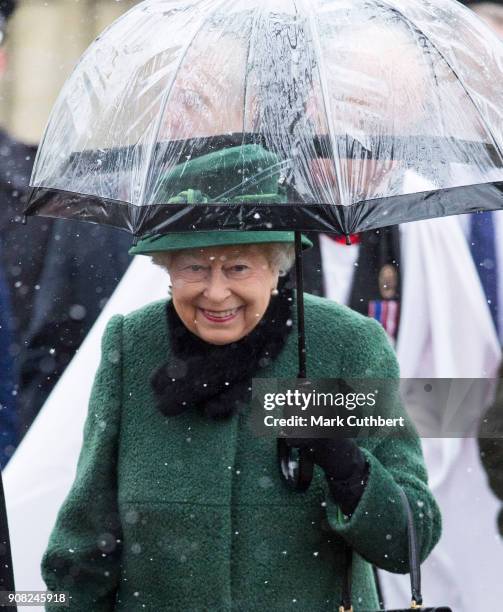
(177, 505)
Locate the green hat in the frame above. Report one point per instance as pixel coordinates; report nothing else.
(192, 240)
(245, 173)
(248, 173)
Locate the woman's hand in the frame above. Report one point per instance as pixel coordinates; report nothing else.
(344, 464)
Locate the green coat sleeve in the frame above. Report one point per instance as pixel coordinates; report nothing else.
(83, 553)
(377, 528)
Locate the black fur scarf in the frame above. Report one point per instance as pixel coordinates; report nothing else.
(217, 379)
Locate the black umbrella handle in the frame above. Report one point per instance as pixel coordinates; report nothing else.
(297, 471)
(301, 330)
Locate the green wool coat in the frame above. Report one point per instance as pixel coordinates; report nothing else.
(187, 514)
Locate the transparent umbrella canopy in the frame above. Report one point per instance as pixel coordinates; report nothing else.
(344, 97)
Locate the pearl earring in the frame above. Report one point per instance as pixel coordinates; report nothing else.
(274, 291)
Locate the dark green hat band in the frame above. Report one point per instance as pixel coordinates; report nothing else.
(194, 240)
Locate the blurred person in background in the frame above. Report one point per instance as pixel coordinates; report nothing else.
(9, 429)
(424, 283)
(436, 287)
(491, 448)
(9, 426)
(491, 13)
(59, 275)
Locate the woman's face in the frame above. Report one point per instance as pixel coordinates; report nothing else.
(221, 293)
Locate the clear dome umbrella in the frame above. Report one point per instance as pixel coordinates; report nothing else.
(350, 96)
(344, 99)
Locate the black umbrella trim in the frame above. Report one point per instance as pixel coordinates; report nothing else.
(338, 219)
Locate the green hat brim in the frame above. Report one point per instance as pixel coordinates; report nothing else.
(193, 240)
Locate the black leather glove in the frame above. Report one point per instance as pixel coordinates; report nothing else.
(344, 464)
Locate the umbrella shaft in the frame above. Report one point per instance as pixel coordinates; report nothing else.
(300, 306)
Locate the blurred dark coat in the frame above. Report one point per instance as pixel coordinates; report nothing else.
(60, 274)
(378, 248)
(9, 429)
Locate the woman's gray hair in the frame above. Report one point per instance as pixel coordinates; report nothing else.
(280, 255)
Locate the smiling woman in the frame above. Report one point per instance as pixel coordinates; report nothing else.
(229, 316)
(177, 504)
(221, 293)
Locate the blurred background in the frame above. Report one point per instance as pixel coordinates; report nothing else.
(44, 41)
(53, 283)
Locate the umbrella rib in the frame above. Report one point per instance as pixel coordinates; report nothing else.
(325, 97)
(167, 94)
(248, 53)
(410, 23)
